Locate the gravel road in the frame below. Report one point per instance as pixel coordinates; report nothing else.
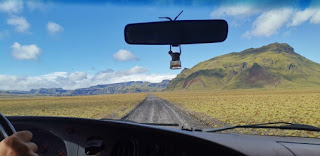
(157, 110)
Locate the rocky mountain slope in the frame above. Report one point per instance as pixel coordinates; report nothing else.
(275, 65)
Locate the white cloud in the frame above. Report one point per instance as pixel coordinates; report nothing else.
(236, 11)
(124, 55)
(109, 73)
(154, 78)
(134, 70)
(20, 23)
(315, 19)
(137, 69)
(78, 76)
(269, 23)
(11, 6)
(35, 5)
(79, 79)
(54, 28)
(303, 16)
(54, 75)
(25, 52)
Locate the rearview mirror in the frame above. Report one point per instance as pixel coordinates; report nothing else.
(176, 32)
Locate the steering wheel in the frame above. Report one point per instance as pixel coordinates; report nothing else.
(6, 128)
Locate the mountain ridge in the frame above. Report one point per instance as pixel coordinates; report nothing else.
(115, 88)
(276, 65)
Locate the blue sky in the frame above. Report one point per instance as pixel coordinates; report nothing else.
(79, 45)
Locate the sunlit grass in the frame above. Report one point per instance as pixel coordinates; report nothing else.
(217, 108)
(235, 107)
(98, 106)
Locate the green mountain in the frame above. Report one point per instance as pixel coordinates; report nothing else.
(272, 66)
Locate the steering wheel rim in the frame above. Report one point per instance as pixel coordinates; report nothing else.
(6, 128)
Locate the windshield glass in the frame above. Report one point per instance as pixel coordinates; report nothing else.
(70, 59)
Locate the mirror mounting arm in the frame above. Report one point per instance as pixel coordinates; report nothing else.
(176, 46)
(170, 19)
(166, 18)
(178, 15)
(175, 62)
(175, 56)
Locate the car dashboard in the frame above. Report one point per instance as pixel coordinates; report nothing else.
(79, 137)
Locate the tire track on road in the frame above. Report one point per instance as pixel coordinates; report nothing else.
(157, 110)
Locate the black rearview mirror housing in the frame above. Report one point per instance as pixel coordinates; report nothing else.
(176, 32)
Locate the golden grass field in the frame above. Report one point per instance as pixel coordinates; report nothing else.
(252, 106)
(216, 108)
(98, 106)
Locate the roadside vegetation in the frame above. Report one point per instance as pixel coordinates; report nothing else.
(216, 108)
(99, 106)
(233, 107)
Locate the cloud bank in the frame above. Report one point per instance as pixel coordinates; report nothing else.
(270, 20)
(76, 80)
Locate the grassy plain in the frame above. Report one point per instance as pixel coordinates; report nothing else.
(233, 107)
(216, 108)
(99, 106)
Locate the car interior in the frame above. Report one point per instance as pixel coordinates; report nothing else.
(68, 136)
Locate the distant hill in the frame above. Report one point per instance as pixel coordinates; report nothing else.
(275, 65)
(124, 87)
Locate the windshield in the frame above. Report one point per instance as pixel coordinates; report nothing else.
(70, 59)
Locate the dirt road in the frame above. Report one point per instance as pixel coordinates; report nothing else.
(157, 110)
